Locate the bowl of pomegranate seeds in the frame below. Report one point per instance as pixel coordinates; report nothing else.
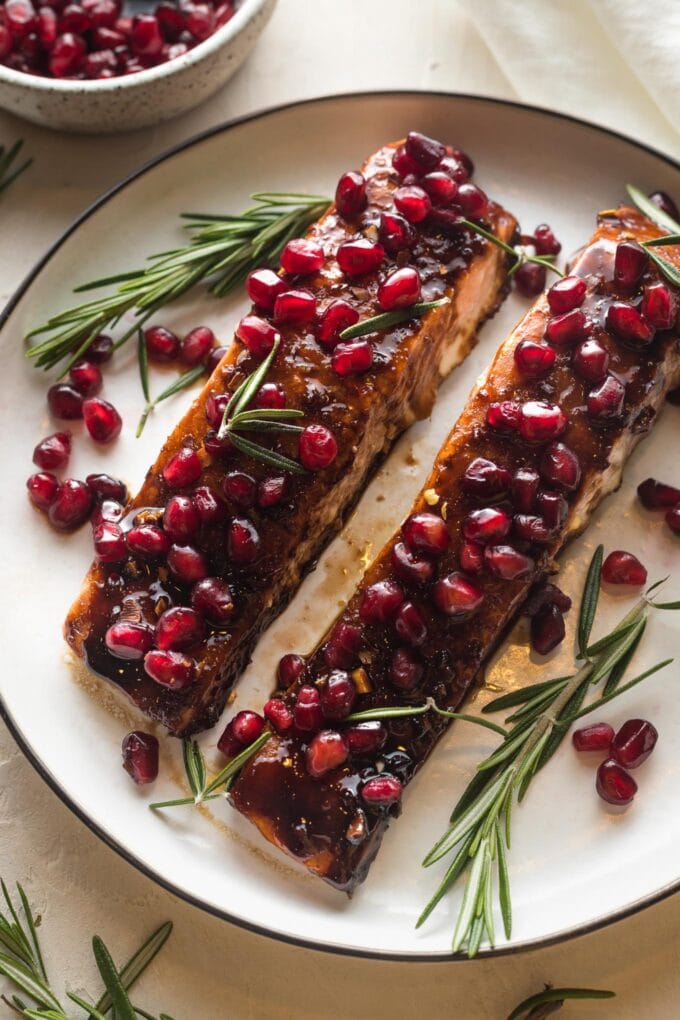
(90, 66)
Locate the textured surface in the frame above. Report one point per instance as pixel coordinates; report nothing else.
(209, 969)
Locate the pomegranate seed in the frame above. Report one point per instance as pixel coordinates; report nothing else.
(264, 286)
(622, 567)
(473, 201)
(458, 166)
(53, 452)
(534, 360)
(441, 188)
(161, 343)
(328, 750)
(524, 489)
(147, 541)
(672, 519)
(180, 518)
(596, 737)
(102, 420)
(214, 408)
(546, 594)
(295, 307)
(659, 306)
(606, 402)
(197, 345)
(101, 348)
(409, 567)
(634, 742)
(427, 152)
(342, 648)
(302, 257)
(380, 602)
(65, 401)
(290, 670)
(504, 416)
(591, 361)
(170, 669)
(471, 557)
(485, 479)
(395, 233)
(307, 710)
(214, 358)
(404, 164)
(365, 737)
(426, 533)
(507, 563)
(339, 315)
(183, 468)
(42, 489)
(66, 55)
(545, 241)
(178, 628)
(140, 757)
(531, 528)
(338, 695)
(553, 508)
(228, 745)
(487, 525)
(200, 20)
(212, 598)
(358, 257)
(86, 377)
(547, 629)
(270, 395)
(278, 715)
(146, 37)
(627, 323)
(20, 16)
(75, 19)
(350, 194)
(457, 595)
(243, 541)
(413, 203)
(656, 495)
(568, 328)
(247, 726)
(410, 625)
(258, 335)
(665, 202)
(541, 421)
(630, 262)
(381, 791)
(566, 295)
(270, 491)
(209, 507)
(406, 670)
(352, 358)
(614, 784)
(318, 448)
(560, 467)
(187, 564)
(129, 640)
(401, 289)
(216, 448)
(109, 543)
(105, 487)
(72, 505)
(530, 279)
(107, 511)
(240, 489)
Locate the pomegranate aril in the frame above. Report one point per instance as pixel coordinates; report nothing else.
(20, 17)
(457, 165)
(126, 640)
(630, 262)
(187, 564)
(381, 792)
(613, 783)
(227, 744)
(672, 519)
(380, 602)
(65, 401)
(302, 257)
(214, 408)
(212, 599)
(214, 358)
(410, 625)
(627, 322)
(263, 287)
(534, 360)
(621, 567)
(591, 361)
(161, 343)
(240, 489)
(504, 416)
(485, 479)
(553, 507)
(358, 257)
(342, 648)
(208, 505)
(606, 402)
(180, 518)
(559, 466)
(74, 19)
(106, 487)
(659, 306)
(146, 37)
(634, 742)
(197, 345)
(257, 334)
(106, 511)
(596, 737)
(524, 489)
(427, 152)
(507, 563)
(410, 567)
(473, 201)
(413, 203)
(395, 233)
(318, 448)
(178, 628)
(339, 315)
(567, 294)
(270, 395)
(183, 468)
(243, 542)
(531, 528)
(247, 726)
(666, 203)
(545, 241)
(327, 751)
(72, 506)
(102, 420)
(101, 349)
(53, 452)
(486, 525)
(140, 757)
(656, 495)
(270, 491)
(338, 695)
(42, 489)
(294, 307)
(290, 670)
(546, 594)
(86, 377)
(456, 595)
(170, 669)
(365, 737)
(350, 194)
(307, 709)
(214, 446)
(66, 55)
(352, 358)
(109, 543)
(404, 164)
(147, 541)
(278, 715)
(568, 328)
(406, 670)
(400, 289)
(471, 557)
(540, 421)
(426, 533)
(441, 188)
(530, 279)
(547, 629)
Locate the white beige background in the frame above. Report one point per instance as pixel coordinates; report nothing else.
(210, 970)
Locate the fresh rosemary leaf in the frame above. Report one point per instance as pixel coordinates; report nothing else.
(463, 825)
(535, 706)
(651, 210)
(560, 995)
(143, 358)
(28, 982)
(469, 900)
(618, 671)
(92, 1011)
(619, 690)
(396, 712)
(237, 763)
(662, 242)
(504, 885)
(477, 784)
(610, 639)
(387, 319)
(666, 605)
(123, 1008)
(657, 584)
(591, 594)
(257, 452)
(522, 694)
(670, 271)
(179, 384)
(614, 655)
(138, 962)
(477, 720)
(194, 766)
(6, 159)
(248, 388)
(558, 733)
(455, 869)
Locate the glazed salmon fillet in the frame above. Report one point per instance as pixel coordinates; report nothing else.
(175, 623)
(542, 440)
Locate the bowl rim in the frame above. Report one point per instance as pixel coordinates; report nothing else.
(246, 12)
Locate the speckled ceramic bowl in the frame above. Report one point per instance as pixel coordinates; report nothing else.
(138, 100)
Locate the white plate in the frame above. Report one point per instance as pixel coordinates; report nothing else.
(573, 865)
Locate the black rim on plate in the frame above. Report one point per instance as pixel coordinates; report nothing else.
(22, 741)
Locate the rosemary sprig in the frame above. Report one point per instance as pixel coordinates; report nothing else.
(554, 999)
(478, 835)
(7, 158)
(180, 383)
(387, 319)
(21, 962)
(519, 257)
(652, 212)
(221, 252)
